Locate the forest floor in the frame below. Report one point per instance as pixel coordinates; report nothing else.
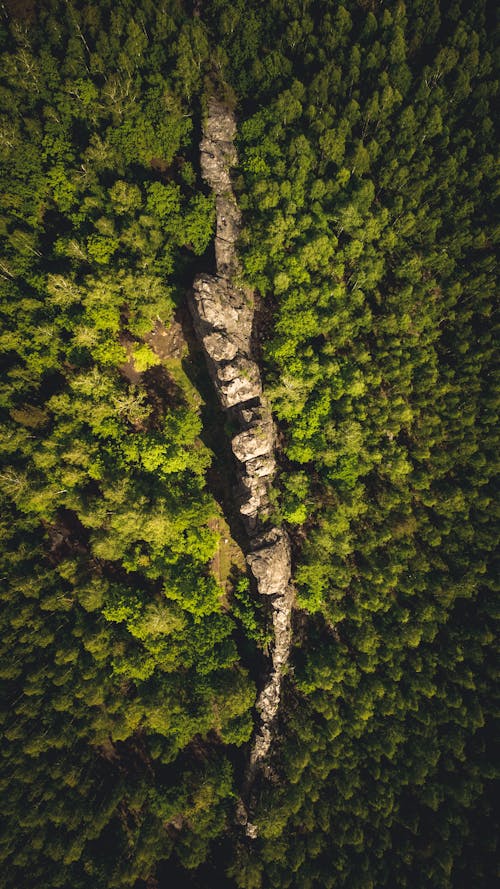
(228, 556)
(168, 342)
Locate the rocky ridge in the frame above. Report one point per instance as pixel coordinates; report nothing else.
(223, 315)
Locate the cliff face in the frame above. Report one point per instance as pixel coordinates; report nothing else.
(223, 317)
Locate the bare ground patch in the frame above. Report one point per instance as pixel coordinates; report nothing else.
(228, 556)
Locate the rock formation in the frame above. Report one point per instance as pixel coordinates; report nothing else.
(223, 317)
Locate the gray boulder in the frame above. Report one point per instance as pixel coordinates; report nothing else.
(253, 442)
(270, 562)
(262, 467)
(216, 306)
(238, 380)
(219, 125)
(215, 161)
(219, 347)
(225, 258)
(228, 219)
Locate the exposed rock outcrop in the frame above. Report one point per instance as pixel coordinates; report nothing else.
(223, 318)
(270, 562)
(256, 441)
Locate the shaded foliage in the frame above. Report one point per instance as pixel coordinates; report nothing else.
(367, 143)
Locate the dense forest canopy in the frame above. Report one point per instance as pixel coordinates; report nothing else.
(133, 644)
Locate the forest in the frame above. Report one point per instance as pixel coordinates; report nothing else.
(133, 643)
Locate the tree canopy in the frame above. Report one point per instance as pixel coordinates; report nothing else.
(132, 646)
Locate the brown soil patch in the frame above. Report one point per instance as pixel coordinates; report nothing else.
(167, 342)
(228, 555)
(128, 369)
